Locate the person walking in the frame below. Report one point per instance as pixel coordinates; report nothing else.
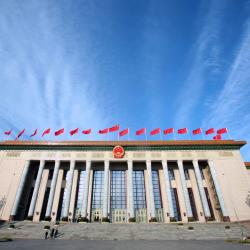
(46, 235)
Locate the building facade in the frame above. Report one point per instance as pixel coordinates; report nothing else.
(124, 181)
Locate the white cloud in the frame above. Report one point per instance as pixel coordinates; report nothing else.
(42, 84)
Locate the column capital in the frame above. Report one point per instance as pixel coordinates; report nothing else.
(180, 162)
(195, 162)
(164, 162)
(106, 163)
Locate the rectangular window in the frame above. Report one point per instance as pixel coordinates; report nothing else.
(171, 174)
(156, 189)
(97, 193)
(187, 177)
(139, 189)
(192, 203)
(82, 179)
(176, 206)
(118, 190)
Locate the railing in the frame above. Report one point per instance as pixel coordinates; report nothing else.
(119, 216)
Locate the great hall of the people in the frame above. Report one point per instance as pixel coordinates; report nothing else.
(124, 181)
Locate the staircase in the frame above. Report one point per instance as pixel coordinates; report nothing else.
(133, 231)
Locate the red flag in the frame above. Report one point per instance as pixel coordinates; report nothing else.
(8, 132)
(35, 132)
(20, 134)
(87, 131)
(155, 131)
(104, 131)
(74, 131)
(221, 131)
(168, 131)
(197, 131)
(217, 137)
(124, 132)
(182, 131)
(47, 131)
(210, 131)
(59, 132)
(115, 128)
(140, 131)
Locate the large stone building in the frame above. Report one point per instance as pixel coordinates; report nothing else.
(142, 181)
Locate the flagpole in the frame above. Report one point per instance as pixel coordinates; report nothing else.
(160, 136)
(128, 135)
(146, 134)
(202, 134)
(229, 135)
(189, 135)
(174, 135)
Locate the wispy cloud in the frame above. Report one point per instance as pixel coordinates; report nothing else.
(43, 82)
(231, 107)
(206, 58)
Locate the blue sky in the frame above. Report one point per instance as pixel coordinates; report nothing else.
(150, 64)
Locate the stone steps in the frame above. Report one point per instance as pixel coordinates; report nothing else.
(97, 231)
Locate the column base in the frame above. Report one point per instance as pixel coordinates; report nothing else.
(153, 219)
(105, 219)
(132, 219)
(209, 219)
(30, 218)
(226, 219)
(47, 218)
(65, 219)
(191, 219)
(172, 219)
(12, 217)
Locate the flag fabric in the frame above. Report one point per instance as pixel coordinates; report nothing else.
(74, 131)
(20, 134)
(182, 131)
(35, 132)
(8, 132)
(124, 132)
(87, 131)
(114, 128)
(45, 132)
(210, 131)
(104, 131)
(59, 132)
(155, 131)
(168, 131)
(222, 131)
(140, 131)
(217, 137)
(197, 131)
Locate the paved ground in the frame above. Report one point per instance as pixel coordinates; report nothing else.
(121, 245)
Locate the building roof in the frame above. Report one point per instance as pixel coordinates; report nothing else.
(247, 164)
(128, 145)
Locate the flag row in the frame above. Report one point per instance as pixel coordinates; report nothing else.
(124, 132)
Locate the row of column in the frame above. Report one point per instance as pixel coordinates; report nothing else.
(131, 211)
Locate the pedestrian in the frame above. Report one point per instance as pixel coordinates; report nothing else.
(46, 235)
(52, 233)
(55, 233)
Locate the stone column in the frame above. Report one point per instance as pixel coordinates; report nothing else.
(105, 190)
(168, 189)
(151, 191)
(201, 189)
(19, 190)
(130, 192)
(185, 190)
(36, 188)
(52, 189)
(68, 189)
(218, 190)
(86, 190)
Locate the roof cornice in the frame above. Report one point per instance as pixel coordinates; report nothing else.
(128, 145)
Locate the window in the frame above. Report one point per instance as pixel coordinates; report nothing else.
(171, 174)
(118, 190)
(156, 189)
(175, 202)
(139, 189)
(97, 193)
(187, 177)
(202, 174)
(82, 179)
